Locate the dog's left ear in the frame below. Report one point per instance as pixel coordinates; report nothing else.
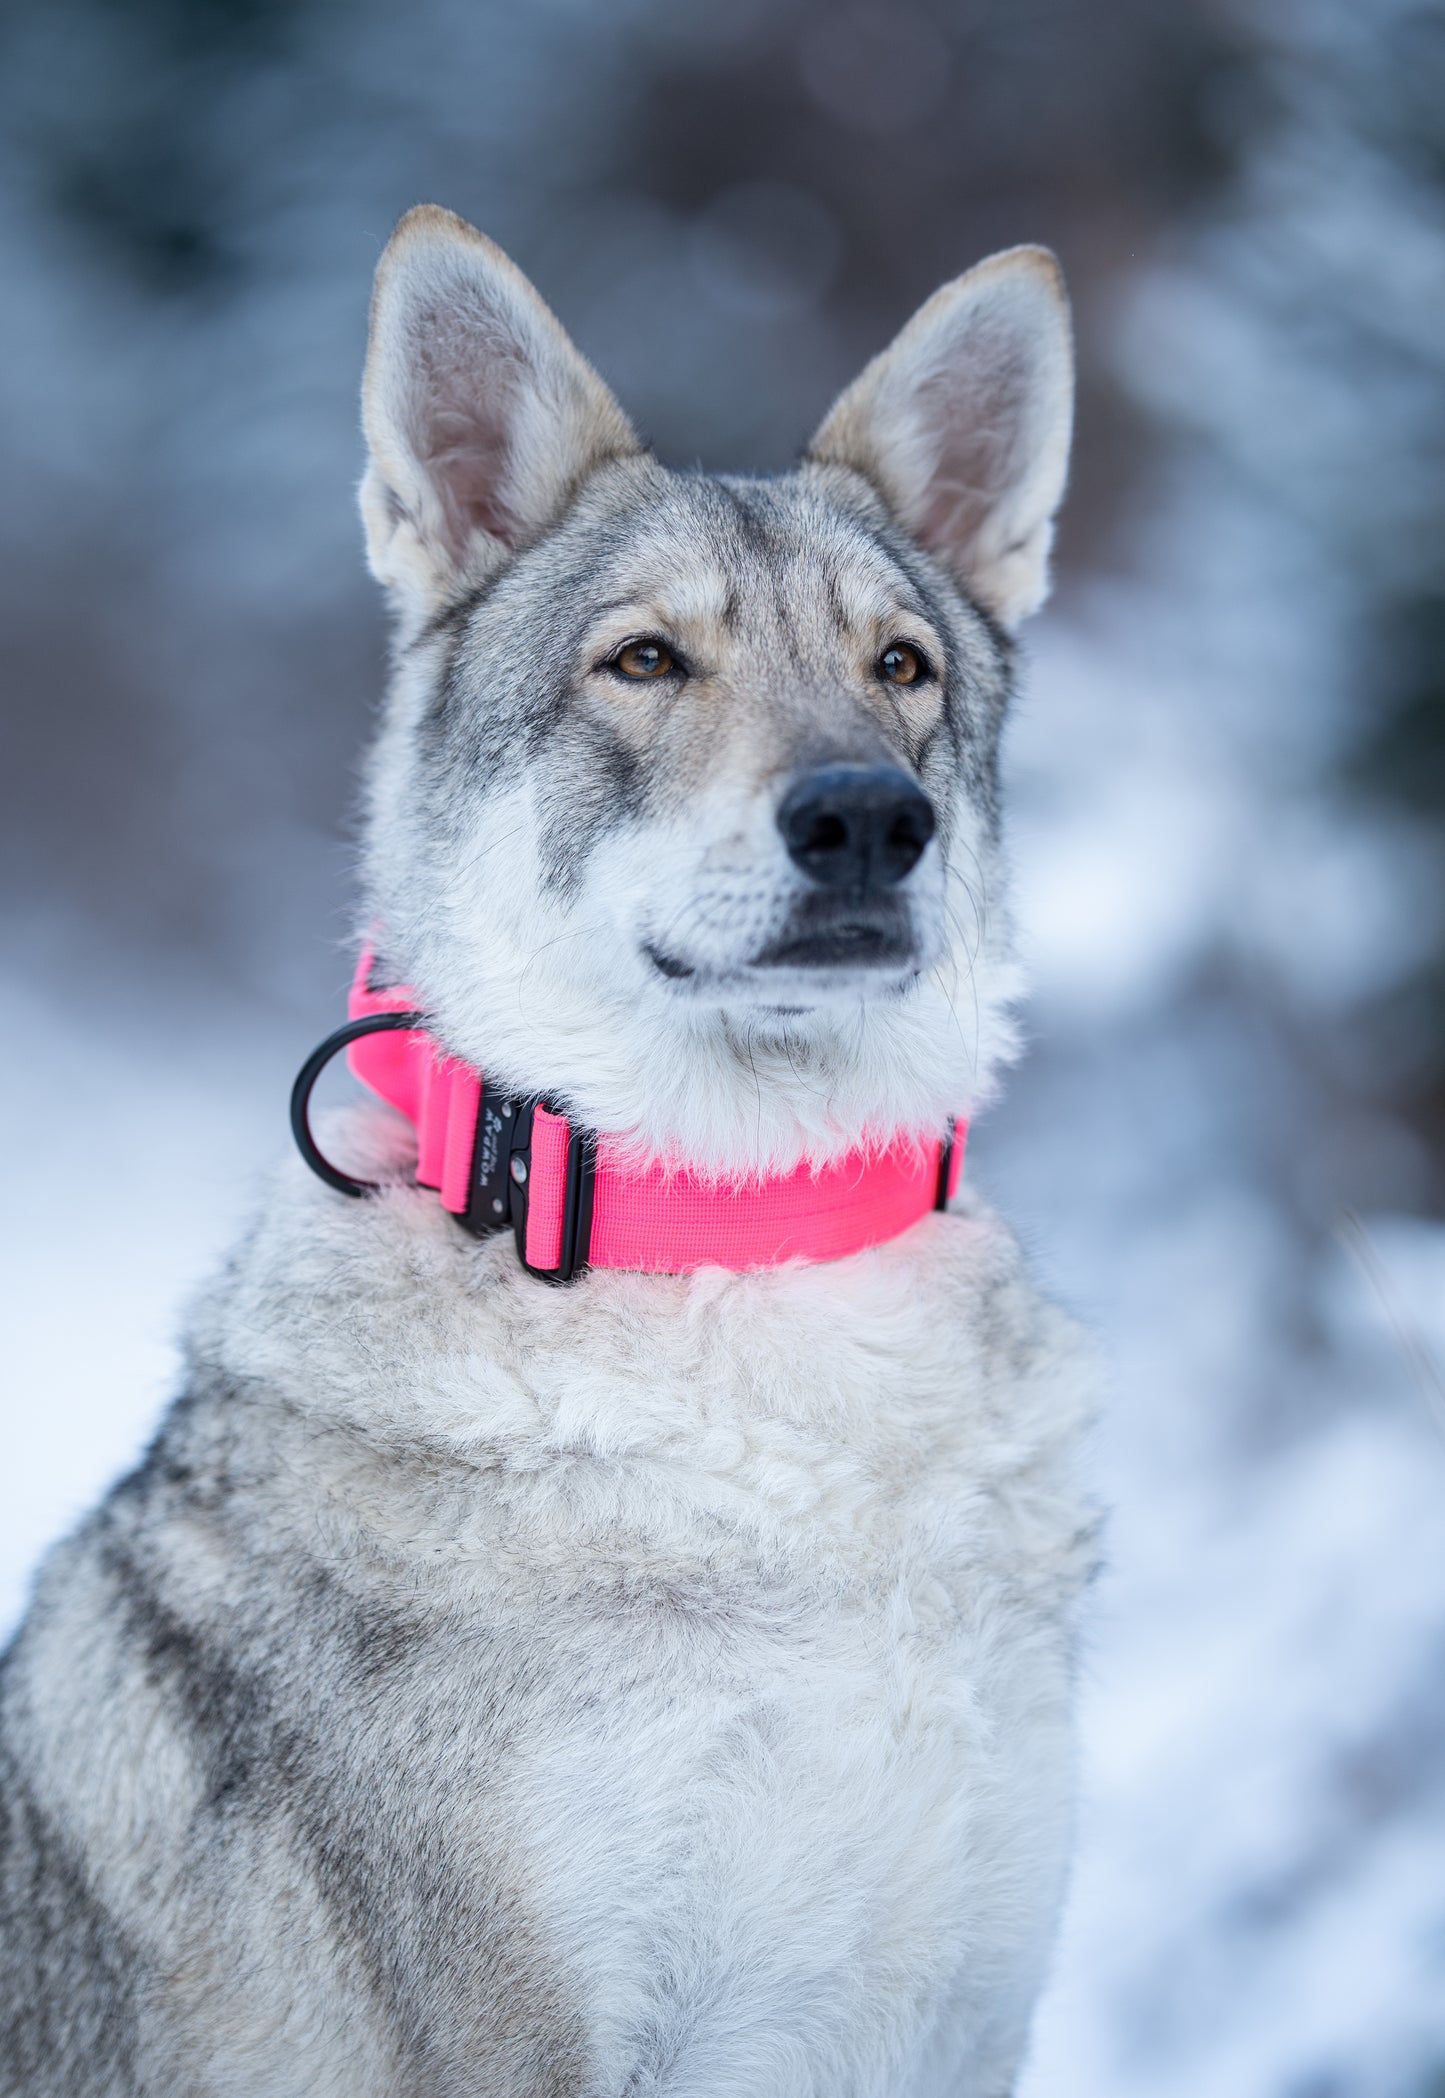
(962, 425)
(481, 417)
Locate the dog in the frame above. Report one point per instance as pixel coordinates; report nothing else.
(660, 1683)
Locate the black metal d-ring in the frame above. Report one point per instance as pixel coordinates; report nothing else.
(311, 1070)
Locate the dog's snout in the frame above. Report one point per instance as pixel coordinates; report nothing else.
(856, 826)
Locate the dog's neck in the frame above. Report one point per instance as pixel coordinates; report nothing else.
(574, 1198)
(730, 1094)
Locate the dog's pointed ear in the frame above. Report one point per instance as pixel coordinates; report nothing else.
(962, 425)
(481, 417)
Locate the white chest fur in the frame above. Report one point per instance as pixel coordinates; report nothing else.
(776, 1574)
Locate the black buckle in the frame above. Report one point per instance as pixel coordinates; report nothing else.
(489, 1197)
(502, 1178)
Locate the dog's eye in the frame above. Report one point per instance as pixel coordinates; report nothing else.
(901, 665)
(644, 659)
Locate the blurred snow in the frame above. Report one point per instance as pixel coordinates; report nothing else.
(1260, 1900)
(136, 1130)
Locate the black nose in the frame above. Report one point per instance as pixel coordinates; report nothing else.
(856, 826)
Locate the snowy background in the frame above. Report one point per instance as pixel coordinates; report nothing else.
(1228, 777)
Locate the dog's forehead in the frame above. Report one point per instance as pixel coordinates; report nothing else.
(748, 555)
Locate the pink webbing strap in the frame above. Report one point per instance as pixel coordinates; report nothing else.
(668, 1220)
(546, 1189)
(435, 1092)
(660, 1218)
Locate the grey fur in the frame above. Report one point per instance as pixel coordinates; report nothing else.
(657, 1686)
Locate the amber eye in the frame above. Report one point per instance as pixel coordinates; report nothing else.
(900, 664)
(644, 659)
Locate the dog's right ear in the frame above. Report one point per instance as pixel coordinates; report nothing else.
(962, 425)
(481, 417)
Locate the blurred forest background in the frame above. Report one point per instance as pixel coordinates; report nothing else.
(1227, 1147)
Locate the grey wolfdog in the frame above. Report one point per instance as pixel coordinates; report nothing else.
(660, 1684)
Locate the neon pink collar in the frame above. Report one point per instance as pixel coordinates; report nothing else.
(572, 1198)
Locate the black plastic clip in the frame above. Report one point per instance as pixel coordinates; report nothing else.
(577, 1203)
(489, 1196)
(945, 1170)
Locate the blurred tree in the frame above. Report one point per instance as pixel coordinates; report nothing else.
(1306, 349)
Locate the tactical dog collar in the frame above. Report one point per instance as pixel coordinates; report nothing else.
(571, 1198)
